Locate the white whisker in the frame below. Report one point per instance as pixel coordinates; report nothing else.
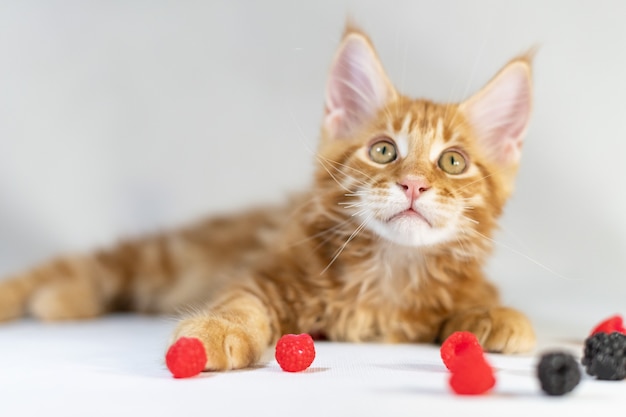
(351, 205)
(474, 182)
(360, 212)
(463, 249)
(328, 231)
(334, 178)
(352, 236)
(471, 220)
(359, 193)
(523, 255)
(358, 171)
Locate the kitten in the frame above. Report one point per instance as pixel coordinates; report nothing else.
(388, 244)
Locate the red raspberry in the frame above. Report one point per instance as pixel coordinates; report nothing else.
(186, 357)
(612, 324)
(472, 375)
(457, 344)
(295, 353)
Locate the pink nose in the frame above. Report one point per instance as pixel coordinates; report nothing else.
(414, 187)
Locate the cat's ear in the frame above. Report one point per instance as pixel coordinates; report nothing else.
(499, 113)
(357, 86)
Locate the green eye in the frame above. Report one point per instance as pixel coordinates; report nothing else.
(452, 162)
(383, 152)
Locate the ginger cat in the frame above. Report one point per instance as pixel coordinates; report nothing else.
(387, 245)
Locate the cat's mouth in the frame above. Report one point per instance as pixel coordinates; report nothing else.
(410, 214)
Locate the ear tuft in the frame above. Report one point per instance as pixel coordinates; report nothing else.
(357, 85)
(500, 112)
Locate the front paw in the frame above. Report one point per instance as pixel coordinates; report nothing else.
(227, 344)
(498, 329)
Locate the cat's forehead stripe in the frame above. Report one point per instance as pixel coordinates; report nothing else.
(402, 137)
(402, 141)
(439, 129)
(439, 141)
(406, 123)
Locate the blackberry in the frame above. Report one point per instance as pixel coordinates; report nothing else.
(605, 356)
(558, 373)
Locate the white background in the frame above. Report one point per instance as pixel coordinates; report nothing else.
(122, 117)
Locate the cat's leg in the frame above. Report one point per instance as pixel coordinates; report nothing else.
(60, 289)
(498, 329)
(235, 330)
(150, 275)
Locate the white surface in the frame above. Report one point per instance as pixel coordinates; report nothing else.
(114, 366)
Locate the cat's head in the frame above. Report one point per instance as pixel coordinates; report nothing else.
(415, 172)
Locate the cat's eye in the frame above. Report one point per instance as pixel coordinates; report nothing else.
(452, 162)
(383, 152)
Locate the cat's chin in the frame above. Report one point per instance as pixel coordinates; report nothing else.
(410, 228)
